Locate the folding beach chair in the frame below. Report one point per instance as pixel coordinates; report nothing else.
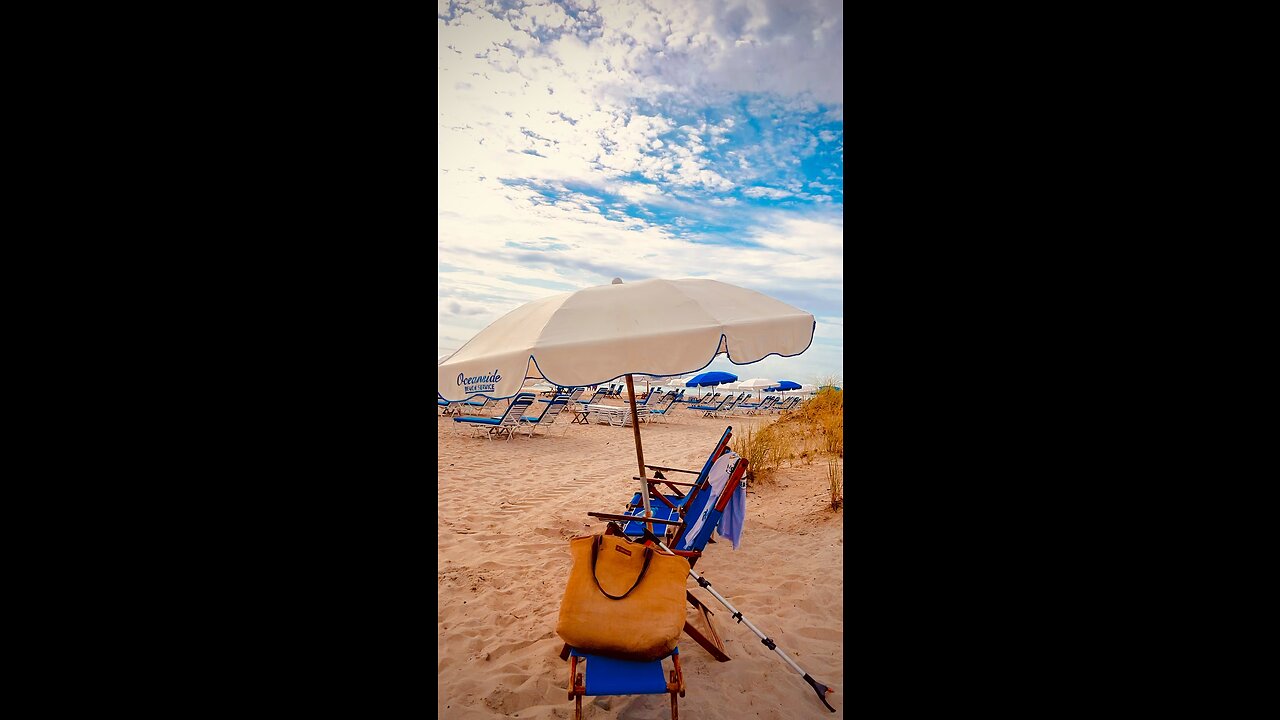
(599, 675)
(689, 529)
(502, 424)
(677, 497)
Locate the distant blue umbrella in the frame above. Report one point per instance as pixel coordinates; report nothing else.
(783, 385)
(711, 378)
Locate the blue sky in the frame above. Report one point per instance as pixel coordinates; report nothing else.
(582, 141)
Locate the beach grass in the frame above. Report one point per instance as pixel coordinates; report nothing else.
(814, 429)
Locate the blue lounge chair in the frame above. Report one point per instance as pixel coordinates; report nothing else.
(478, 408)
(502, 424)
(662, 407)
(710, 410)
(757, 408)
(787, 404)
(547, 417)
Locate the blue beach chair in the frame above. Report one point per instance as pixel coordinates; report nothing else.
(599, 675)
(548, 416)
(502, 424)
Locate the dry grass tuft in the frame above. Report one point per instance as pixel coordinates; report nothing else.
(814, 428)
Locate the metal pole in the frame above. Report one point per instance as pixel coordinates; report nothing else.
(635, 427)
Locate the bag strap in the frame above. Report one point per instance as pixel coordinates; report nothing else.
(595, 551)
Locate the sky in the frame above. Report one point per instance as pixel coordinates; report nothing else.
(581, 141)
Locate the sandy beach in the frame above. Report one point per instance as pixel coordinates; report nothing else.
(505, 514)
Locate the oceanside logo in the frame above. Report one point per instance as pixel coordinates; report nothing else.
(479, 383)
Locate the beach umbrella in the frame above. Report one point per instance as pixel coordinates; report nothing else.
(714, 377)
(783, 386)
(655, 327)
(755, 384)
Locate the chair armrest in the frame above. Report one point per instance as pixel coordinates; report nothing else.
(664, 481)
(633, 518)
(671, 469)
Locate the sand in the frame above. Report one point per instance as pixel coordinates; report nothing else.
(506, 512)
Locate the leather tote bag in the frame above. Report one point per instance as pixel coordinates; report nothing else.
(623, 599)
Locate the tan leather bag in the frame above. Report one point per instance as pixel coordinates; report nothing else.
(623, 599)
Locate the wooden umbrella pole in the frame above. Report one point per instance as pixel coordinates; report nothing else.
(635, 427)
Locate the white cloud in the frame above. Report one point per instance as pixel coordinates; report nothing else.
(587, 95)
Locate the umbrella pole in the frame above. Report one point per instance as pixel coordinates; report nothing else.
(635, 427)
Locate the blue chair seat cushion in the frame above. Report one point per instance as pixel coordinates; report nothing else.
(610, 676)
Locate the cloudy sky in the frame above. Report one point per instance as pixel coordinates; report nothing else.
(582, 140)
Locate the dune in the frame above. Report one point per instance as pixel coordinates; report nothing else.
(506, 512)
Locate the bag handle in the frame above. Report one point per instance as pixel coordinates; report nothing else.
(595, 551)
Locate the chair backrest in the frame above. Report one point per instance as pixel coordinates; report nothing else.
(666, 402)
(712, 505)
(577, 393)
(549, 413)
(732, 401)
(516, 409)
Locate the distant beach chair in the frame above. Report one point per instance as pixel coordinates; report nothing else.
(503, 424)
(547, 417)
(757, 408)
(478, 408)
(662, 407)
(787, 404)
(710, 409)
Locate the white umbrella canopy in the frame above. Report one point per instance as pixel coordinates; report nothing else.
(649, 327)
(756, 384)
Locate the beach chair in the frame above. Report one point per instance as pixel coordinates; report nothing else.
(709, 409)
(662, 407)
(547, 417)
(757, 408)
(663, 503)
(688, 526)
(788, 404)
(728, 409)
(599, 675)
(688, 530)
(502, 424)
(478, 408)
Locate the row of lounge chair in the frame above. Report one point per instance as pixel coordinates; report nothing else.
(733, 404)
(513, 418)
(481, 414)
